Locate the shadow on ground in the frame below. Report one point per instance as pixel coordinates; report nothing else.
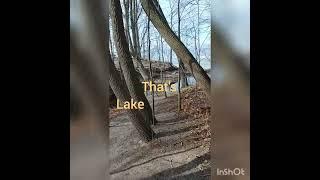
(162, 156)
(175, 173)
(177, 131)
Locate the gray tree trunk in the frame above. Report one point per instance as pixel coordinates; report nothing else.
(130, 74)
(182, 70)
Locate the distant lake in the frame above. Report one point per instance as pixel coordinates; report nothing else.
(191, 80)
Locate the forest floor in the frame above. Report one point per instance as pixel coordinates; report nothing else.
(180, 149)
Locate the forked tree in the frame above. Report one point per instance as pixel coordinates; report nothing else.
(122, 93)
(131, 19)
(130, 40)
(130, 74)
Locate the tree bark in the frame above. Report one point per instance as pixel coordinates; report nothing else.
(130, 75)
(111, 46)
(150, 67)
(127, 24)
(178, 47)
(122, 93)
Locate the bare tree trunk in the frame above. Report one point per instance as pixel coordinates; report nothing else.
(121, 72)
(171, 57)
(137, 63)
(125, 59)
(159, 57)
(178, 47)
(143, 42)
(136, 48)
(158, 7)
(143, 49)
(163, 78)
(122, 93)
(150, 70)
(181, 67)
(111, 49)
(171, 26)
(127, 24)
(137, 28)
(179, 61)
(195, 42)
(199, 50)
(196, 51)
(179, 88)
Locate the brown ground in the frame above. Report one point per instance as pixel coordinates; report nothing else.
(181, 149)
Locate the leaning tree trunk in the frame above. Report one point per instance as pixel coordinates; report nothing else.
(178, 47)
(122, 93)
(125, 59)
(158, 7)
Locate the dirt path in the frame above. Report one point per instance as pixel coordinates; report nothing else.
(178, 152)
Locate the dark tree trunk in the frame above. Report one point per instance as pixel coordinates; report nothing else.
(150, 68)
(127, 24)
(122, 93)
(130, 74)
